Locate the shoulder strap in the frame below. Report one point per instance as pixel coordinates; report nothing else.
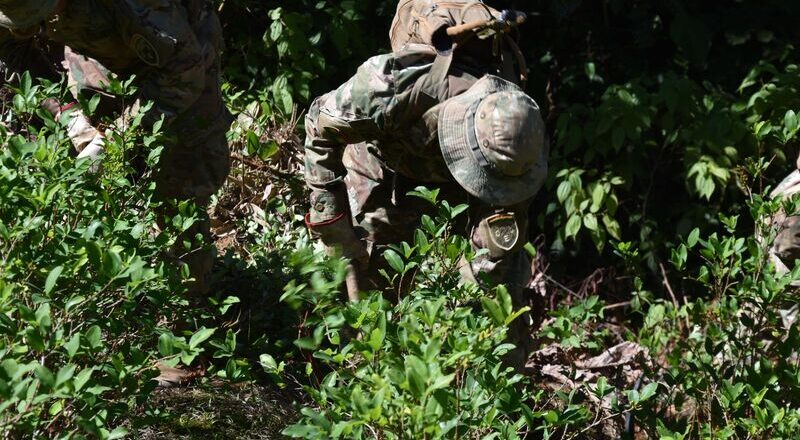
(431, 89)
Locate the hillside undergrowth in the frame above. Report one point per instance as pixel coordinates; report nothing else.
(654, 308)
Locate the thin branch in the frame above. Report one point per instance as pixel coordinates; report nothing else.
(668, 286)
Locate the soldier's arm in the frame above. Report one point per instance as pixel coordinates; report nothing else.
(503, 233)
(350, 114)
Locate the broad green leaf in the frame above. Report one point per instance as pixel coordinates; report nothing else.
(95, 254)
(268, 149)
(416, 374)
(166, 344)
(531, 249)
(93, 337)
(43, 317)
(458, 210)
(648, 391)
(118, 432)
(563, 191)
(441, 382)
(504, 299)
(65, 373)
(598, 195)
(72, 345)
(573, 226)
(493, 309)
(590, 221)
(268, 362)
(394, 260)
(612, 226)
(201, 336)
(45, 376)
(52, 277)
(112, 262)
(694, 236)
(378, 334)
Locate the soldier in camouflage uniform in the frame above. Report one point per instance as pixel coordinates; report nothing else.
(173, 49)
(415, 118)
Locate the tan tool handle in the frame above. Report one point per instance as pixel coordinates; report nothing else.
(457, 31)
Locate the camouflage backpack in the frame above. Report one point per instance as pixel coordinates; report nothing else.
(480, 33)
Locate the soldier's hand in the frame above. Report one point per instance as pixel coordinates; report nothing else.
(94, 152)
(87, 140)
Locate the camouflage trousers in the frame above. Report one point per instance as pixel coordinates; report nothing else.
(193, 165)
(785, 248)
(383, 213)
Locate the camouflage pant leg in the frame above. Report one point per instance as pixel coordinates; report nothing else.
(194, 174)
(373, 203)
(194, 167)
(383, 214)
(785, 248)
(376, 219)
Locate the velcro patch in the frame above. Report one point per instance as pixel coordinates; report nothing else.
(145, 50)
(503, 231)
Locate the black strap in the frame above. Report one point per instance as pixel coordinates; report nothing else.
(432, 88)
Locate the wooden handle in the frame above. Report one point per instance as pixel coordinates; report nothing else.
(461, 29)
(457, 31)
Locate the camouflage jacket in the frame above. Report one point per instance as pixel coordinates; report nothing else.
(384, 104)
(169, 47)
(17, 56)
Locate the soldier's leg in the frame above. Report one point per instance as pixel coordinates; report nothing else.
(186, 173)
(378, 216)
(786, 247)
(194, 168)
(504, 233)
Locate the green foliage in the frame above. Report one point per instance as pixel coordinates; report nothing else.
(662, 115)
(667, 103)
(84, 288)
(731, 358)
(306, 48)
(427, 366)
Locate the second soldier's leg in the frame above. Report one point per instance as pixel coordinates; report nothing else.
(194, 173)
(377, 218)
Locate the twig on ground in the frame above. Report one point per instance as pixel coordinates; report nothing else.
(668, 286)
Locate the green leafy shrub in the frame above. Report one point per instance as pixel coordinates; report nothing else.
(85, 289)
(429, 366)
(305, 48)
(732, 361)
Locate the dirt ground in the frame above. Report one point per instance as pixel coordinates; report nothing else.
(220, 411)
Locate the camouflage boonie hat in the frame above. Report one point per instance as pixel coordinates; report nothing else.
(21, 14)
(493, 140)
